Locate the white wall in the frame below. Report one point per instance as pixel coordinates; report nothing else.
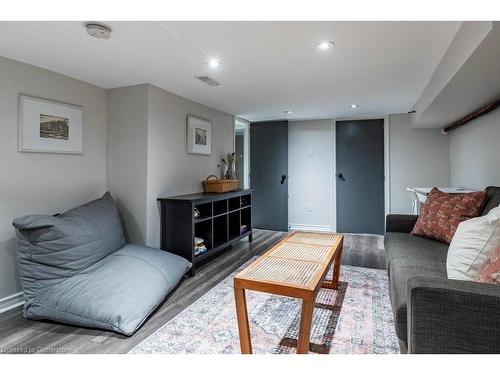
(37, 183)
(310, 167)
(418, 157)
(475, 153)
(172, 171)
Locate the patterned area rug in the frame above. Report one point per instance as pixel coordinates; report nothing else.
(355, 319)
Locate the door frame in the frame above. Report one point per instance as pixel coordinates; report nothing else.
(246, 150)
(387, 169)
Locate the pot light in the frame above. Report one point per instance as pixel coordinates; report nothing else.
(287, 112)
(325, 45)
(353, 106)
(213, 63)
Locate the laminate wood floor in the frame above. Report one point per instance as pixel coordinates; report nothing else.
(20, 335)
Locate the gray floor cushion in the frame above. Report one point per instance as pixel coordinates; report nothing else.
(76, 268)
(118, 293)
(51, 249)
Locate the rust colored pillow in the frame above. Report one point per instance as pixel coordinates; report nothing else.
(441, 213)
(490, 270)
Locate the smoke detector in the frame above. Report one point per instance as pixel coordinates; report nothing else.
(207, 80)
(98, 30)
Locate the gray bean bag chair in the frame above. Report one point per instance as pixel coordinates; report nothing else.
(76, 268)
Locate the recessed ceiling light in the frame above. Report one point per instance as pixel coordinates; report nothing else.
(287, 112)
(213, 63)
(325, 45)
(353, 106)
(98, 30)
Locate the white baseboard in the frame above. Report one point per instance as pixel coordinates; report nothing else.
(310, 228)
(11, 302)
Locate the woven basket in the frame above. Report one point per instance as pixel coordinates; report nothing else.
(217, 185)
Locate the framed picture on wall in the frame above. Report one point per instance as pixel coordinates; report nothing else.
(49, 126)
(199, 136)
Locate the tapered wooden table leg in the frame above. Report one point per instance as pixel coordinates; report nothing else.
(242, 316)
(305, 325)
(336, 268)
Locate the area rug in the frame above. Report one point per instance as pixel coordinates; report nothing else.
(355, 319)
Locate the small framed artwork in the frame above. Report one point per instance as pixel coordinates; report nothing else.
(199, 136)
(49, 126)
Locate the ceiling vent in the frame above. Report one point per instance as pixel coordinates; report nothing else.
(207, 80)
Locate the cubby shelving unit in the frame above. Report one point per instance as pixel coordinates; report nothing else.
(224, 219)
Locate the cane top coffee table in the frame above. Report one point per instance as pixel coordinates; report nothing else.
(294, 267)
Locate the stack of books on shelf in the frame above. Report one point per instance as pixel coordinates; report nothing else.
(199, 246)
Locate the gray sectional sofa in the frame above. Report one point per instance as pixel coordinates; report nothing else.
(433, 314)
(77, 268)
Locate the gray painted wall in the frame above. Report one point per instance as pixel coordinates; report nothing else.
(141, 155)
(127, 156)
(37, 183)
(418, 157)
(172, 171)
(475, 153)
(135, 146)
(147, 155)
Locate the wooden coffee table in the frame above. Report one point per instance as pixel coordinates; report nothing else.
(295, 267)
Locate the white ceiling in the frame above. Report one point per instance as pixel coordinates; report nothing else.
(266, 67)
(474, 84)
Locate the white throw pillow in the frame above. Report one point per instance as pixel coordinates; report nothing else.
(472, 244)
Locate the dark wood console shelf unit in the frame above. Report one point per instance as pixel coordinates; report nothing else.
(222, 221)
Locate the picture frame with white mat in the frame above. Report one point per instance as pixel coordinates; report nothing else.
(49, 126)
(198, 136)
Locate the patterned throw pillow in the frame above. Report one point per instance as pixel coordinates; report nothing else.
(441, 213)
(490, 271)
(472, 244)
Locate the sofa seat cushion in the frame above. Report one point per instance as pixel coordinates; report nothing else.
(117, 293)
(415, 250)
(401, 271)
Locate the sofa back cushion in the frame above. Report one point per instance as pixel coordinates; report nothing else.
(492, 198)
(442, 213)
(54, 248)
(475, 240)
